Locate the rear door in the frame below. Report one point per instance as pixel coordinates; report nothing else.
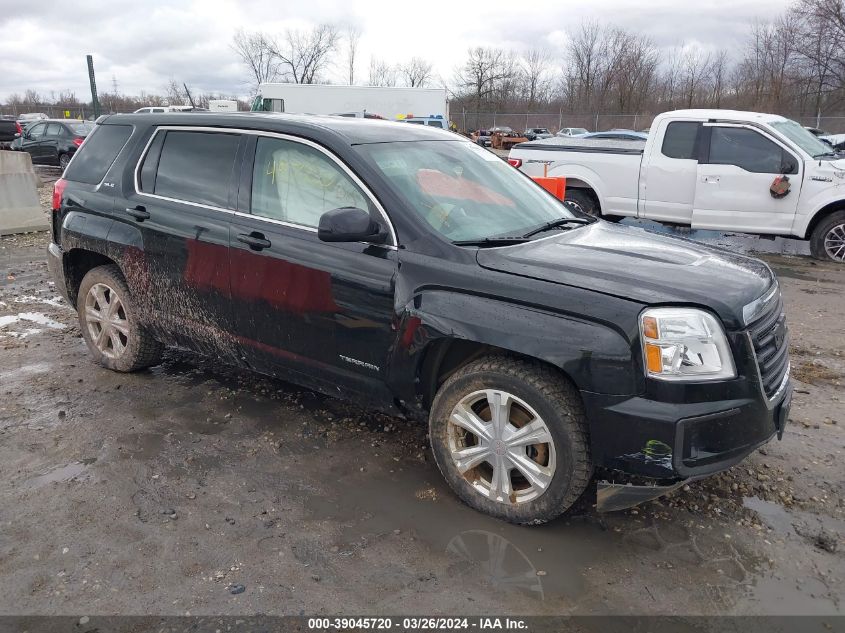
(738, 167)
(318, 313)
(182, 206)
(669, 172)
(50, 142)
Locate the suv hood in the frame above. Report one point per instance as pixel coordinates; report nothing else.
(636, 264)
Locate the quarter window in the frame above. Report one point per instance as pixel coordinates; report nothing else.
(680, 140)
(293, 182)
(94, 159)
(749, 150)
(194, 167)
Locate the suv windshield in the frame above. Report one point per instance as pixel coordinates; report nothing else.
(801, 137)
(463, 191)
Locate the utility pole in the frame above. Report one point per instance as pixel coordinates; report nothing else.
(94, 101)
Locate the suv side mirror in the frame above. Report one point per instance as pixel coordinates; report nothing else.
(350, 224)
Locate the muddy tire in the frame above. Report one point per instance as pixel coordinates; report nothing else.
(584, 202)
(527, 464)
(828, 238)
(110, 325)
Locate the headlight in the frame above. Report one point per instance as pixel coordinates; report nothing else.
(685, 344)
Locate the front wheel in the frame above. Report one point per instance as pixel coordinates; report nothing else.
(828, 238)
(510, 437)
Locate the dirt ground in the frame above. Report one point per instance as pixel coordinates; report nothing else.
(195, 488)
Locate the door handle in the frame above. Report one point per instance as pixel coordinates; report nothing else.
(256, 241)
(710, 180)
(139, 213)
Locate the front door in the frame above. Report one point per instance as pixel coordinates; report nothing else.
(33, 142)
(183, 210)
(318, 313)
(734, 179)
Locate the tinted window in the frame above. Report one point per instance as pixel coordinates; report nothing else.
(296, 183)
(746, 149)
(436, 124)
(37, 131)
(196, 167)
(679, 140)
(97, 154)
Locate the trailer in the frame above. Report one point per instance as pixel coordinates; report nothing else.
(390, 103)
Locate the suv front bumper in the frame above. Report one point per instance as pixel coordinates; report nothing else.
(680, 440)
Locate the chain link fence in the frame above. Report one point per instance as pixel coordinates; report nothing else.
(52, 110)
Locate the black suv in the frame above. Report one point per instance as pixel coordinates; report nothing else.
(411, 270)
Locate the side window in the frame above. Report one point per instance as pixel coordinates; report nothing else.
(293, 182)
(37, 131)
(98, 153)
(748, 150)
(436, 124)
(196, 167)
(53, 129)
(680, 140)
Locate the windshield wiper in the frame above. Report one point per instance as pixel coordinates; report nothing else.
(832, 152)
(554, 224)
(491, 241)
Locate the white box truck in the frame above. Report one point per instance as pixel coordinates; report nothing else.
(390, 103)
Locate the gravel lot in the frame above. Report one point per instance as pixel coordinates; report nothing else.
(169, 491)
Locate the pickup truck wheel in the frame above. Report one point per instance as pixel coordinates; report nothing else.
(585, 203)
(828, 238)
(109, 324)
(510, 437)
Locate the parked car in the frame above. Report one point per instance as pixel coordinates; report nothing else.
(162, 109)
(710, 169)
(572, 131)
(482, 137)
(420, 274)
(617, 135)
(434, 121)
(53, 141)
(32, 116)
(9, 130)
(359, 115)
(533, 133)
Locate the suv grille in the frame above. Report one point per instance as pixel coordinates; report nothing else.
(771, 346)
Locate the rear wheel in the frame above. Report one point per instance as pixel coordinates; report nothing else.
(581, 200)
(64, 159)
(828, 238)
(510, 437)
(110, 324)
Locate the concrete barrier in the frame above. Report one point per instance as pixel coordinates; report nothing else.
(20, 209)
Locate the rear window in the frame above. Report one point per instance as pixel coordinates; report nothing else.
(196, 167)
(81, 129)
(98, 153)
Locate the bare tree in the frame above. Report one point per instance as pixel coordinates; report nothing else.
(381, 73)
(353, 35)
(486, 74)
(695, 74)
(304, 54)
(416, 73)
(257, 55)
(535, 69)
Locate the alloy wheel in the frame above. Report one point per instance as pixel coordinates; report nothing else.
(834, 243)
(106, 319)
(501, 446)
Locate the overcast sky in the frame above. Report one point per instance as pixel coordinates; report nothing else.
(143, 44)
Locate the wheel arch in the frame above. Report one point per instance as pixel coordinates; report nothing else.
(77, 263)
(829, 209)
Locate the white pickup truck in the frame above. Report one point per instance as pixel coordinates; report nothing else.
(709, 169)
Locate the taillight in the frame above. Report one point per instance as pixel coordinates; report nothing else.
(515, 162)
(58, 190)
(78, 141)
(18, 128)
